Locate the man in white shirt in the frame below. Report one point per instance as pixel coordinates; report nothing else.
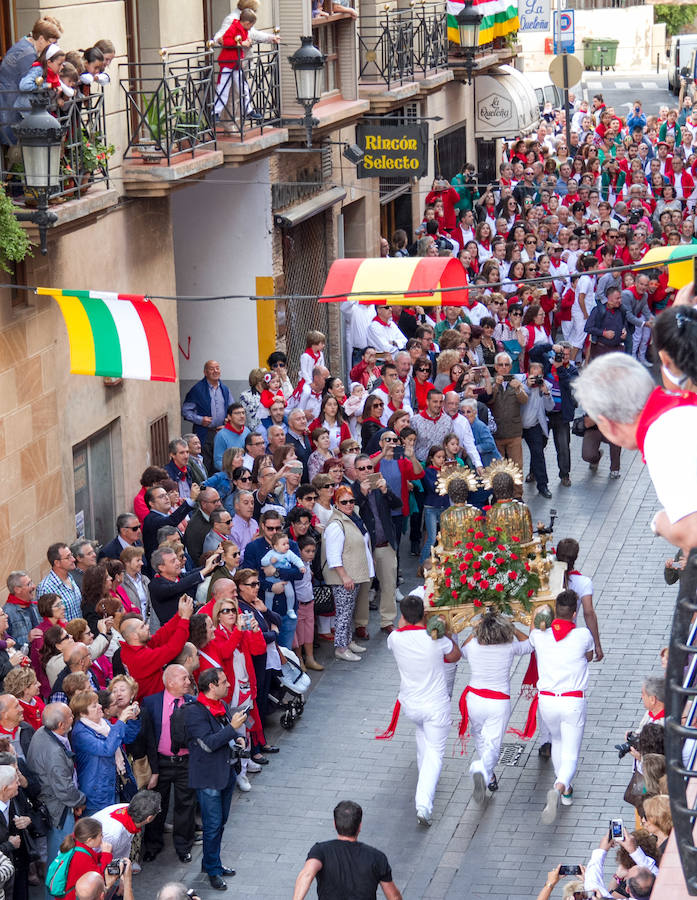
(358, 317)
(563, 653)
(383, 333)
(461, 427)
(423, 694)
(310, 396)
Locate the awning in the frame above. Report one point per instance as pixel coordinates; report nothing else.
(115, 335)
(317, 204)
(679, 273)
(505, 104)
(399, 282)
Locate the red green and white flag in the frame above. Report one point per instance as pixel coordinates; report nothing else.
(500, 17)
(115, 335)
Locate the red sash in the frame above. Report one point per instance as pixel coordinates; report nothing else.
(464, 716)
(659, 402)
(392, 727)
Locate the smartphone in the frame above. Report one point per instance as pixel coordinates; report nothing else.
(570, 870)
(616, 828)
(508, 378)
(373, 479)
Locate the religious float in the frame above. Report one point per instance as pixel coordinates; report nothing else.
(490, 558)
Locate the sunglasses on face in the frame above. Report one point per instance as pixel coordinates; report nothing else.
(251, 584)
(364, 468)
(245, 478)
(228, 612)
(345, 502)
(390, 440)
(273, 527)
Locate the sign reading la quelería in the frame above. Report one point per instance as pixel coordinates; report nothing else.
(534, 15)
(393, 150)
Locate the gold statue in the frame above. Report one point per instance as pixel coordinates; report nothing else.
(457, 518)
(510, 515)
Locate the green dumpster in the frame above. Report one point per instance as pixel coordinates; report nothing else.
(599, 50)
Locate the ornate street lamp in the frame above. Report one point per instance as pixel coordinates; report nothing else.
(39, 135)
(307, 64)
(468, 22)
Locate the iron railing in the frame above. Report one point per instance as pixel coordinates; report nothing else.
(85, 149)
(403, 44)
(169, 105)
(249, 97)
(603, 4)
(681, 703)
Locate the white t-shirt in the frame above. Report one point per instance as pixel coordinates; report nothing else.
(490, 664)
(562, 665)
(421, 664)
(671, 458)
(582, 585)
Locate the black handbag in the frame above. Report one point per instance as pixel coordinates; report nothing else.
(324, 600)
(578, 427)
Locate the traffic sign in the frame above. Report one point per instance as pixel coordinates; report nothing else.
(566, 31)
(565, 76)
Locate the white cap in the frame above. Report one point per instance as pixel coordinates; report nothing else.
(52, 49)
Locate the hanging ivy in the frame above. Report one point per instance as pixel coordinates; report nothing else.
(14, 243)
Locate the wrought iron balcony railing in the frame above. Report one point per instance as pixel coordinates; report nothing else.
(169, 105)
(249, 97)
(403, 44)
(85, 149)
(681, 707)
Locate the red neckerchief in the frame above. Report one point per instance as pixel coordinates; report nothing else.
(182, 472)
(317, 394)
(659, 715)
(234, 430)
(659, 402)
(121, 816)
(384, 324)
(214, 707)
(373, 419)
(393, 408)
(11, 734)
(314, 354)
(485, 244)
(16, 601)
(425, 415)
(412, 628)
(409, 311)
(560, 628)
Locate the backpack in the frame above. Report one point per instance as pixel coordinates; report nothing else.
(57, 874)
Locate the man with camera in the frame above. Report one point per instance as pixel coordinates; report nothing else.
(118, 879)
(215, 743)
(507, 398)
(607, 324)
(535, 426)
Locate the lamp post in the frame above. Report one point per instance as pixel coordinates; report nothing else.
(39, 135)
(468, 22)
(307, 64)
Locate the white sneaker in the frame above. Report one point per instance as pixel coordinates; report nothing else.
(346, 655)
(479, 791)
(567, 799)
(549, 813)
(243, 783)
(398, 595)
(356, 648)
(291, 614)
(253, 767)
(423, 817)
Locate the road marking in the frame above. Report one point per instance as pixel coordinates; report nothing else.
(621, 86)
(650, 86)
(594, 85)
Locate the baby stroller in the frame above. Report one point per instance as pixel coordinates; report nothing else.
(288, 689)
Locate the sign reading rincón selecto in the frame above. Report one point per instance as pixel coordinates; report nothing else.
(393, 150)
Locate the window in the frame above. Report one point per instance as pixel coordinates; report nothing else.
(94, 461)
(159, 441)
(326, 39)
(450, 152)
(7, 31)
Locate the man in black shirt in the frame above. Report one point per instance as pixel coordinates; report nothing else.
(346, 869)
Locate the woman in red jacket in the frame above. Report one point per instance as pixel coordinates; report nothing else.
(91, 853)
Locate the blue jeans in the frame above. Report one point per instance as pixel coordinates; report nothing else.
(287, 632)
(431, 520)
(54, 839)
(215, 807)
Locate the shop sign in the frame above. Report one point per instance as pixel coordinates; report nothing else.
(393, 150)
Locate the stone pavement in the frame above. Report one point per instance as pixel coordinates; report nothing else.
(499, 850)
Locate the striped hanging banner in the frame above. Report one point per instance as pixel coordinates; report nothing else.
(500, 19)
(115, 335)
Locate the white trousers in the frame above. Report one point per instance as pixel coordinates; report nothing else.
(488, 723)
(432, 729)
(565, 719)
(236, 79)
(640, 341)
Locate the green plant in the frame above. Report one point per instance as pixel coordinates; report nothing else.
(14, 243)
(486, 571)
(675, 17)
(94, 153)
(155, 116)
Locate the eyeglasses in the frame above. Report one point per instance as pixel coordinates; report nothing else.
(310, 497)
(364, 468)
(530, 242)
(378, 403)
(247, 478)
(131, 527)
(62, 638)
(251, 584)
(237, 554)
(225, 521)
(345, 502)
(390, 440)
(228, 612)
(516, 314)
(278, 365)
(272, 527)
(424, 369)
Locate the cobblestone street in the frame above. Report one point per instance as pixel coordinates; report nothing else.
(499, 850)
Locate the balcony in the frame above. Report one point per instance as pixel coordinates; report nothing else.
(402, 53)
(486, 55)
(248, 106)
(171, 124)
(85, 151)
